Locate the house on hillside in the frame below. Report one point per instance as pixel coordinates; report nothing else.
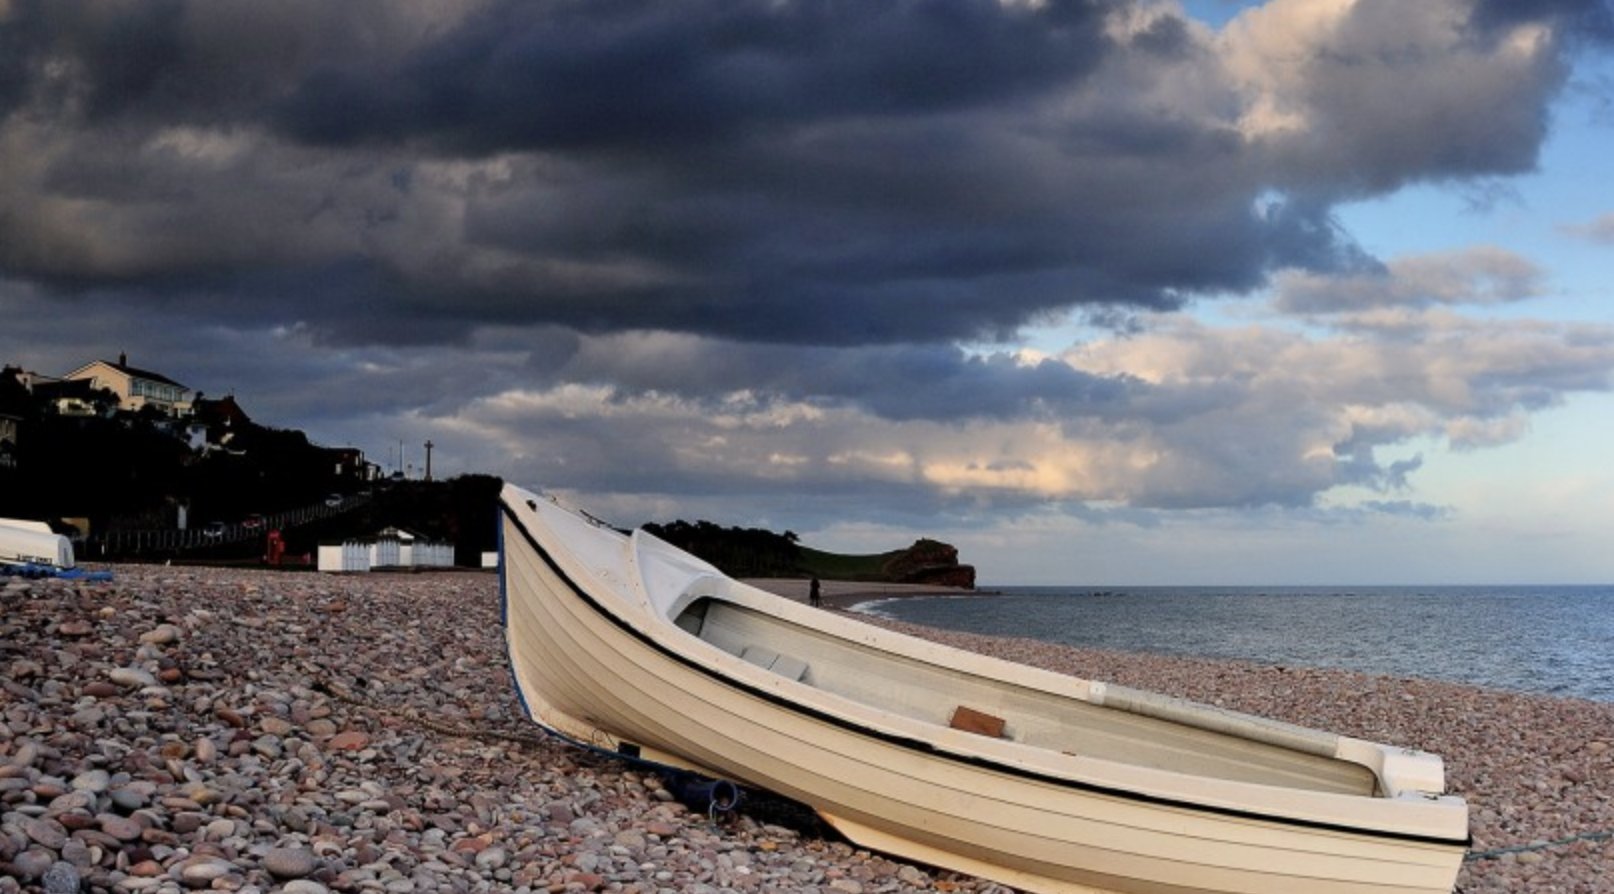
(14, 400)
(215, 423)
(74, 397)
(135, 388)
(349, 463)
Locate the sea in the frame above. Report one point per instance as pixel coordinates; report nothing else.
(1551, 640)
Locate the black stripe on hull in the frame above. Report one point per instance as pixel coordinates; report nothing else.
(930, 748)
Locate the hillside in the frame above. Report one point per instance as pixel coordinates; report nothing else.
(206, 484)
(755, 552)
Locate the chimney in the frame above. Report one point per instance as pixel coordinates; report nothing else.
(123, 359)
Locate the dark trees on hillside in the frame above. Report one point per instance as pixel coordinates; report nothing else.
(738, 552)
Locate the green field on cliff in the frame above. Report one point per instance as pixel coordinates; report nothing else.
(840, 566)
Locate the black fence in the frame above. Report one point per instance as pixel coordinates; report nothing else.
(132, 542)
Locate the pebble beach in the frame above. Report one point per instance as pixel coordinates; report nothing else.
(183, 729)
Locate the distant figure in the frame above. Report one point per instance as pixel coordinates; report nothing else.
(814, 598)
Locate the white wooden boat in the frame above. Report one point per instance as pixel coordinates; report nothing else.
(32, 543)
(1035, 779)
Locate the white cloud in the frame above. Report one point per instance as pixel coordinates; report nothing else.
(1373, 93)
(1473, 276)
(1600, 230)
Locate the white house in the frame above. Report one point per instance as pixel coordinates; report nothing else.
(134, 387)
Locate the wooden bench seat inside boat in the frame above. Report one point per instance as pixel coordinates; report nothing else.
(784, 665)
(934, 693)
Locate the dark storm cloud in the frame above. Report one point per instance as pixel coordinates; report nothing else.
(731, 246)
(634, 76)
(839, 173)
(813, 172)
(899, 383)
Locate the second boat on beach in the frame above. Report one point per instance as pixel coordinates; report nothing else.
(1042, 781)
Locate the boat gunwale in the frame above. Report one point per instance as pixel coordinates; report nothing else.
(920, 745)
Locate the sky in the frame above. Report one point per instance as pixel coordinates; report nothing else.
(1100, 291)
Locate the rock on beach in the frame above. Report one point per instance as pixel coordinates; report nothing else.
(202, 729)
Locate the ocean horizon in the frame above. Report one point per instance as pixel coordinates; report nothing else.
(1541, 639)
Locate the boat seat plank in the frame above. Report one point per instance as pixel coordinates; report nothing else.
(759, 656)
(786, 666)
(790, 667)
(979, 722)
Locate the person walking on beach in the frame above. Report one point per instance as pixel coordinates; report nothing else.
(814, 598)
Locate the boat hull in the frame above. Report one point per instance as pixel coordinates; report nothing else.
(588, 663)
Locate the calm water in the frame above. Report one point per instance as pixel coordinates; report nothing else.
(1553, 640)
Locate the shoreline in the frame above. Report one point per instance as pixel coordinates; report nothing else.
(846, 595)
(185, 727)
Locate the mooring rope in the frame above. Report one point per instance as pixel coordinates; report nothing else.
(1500, 852)
(716, 799)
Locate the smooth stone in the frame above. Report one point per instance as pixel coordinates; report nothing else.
(351, 740)
(75, 821)
(61, 878)
(73, 800)
(25, 755)
(93, 781)
(131, 677)
(127, 798)
(201, 872)
(267, 746)
(49, 833)
(290, 862)
(206, 751)
(50, 787)
(77, 852)
(220, 829)
(492, 858)
(31, 863)
(304, 886)
(161, 636)
(187, 822)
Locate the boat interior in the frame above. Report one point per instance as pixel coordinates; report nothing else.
(982, 705)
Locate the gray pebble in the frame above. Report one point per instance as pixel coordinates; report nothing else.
(61, 878)
(127, 799)
(31, 863)
(47, 832)
(161, 636)
(290, 862)
(93, 781)
(131, 677)
(201, 872)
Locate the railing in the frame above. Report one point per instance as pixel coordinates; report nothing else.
(121, 542)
